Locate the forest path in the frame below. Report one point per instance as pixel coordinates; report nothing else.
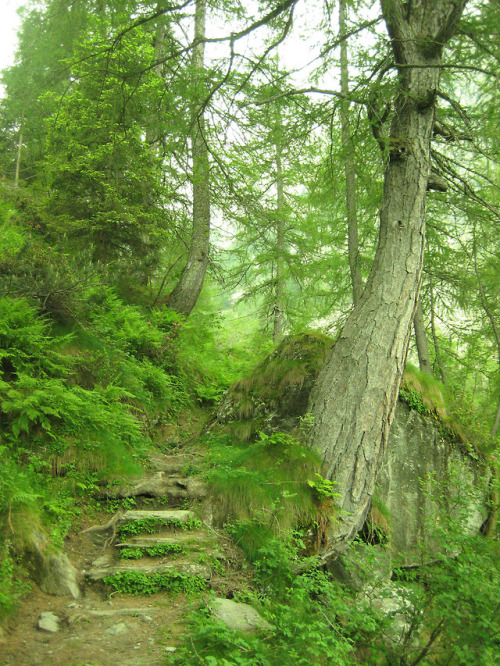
(166, 544)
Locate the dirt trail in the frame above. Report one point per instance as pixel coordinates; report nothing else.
(103, 628)
(95, 630)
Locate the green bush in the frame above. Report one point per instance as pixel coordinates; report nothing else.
(314, 620)
(10, 588)
(457, 616)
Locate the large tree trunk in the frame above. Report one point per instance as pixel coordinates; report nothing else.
(183, 298)
(350, 175)
(353, 401)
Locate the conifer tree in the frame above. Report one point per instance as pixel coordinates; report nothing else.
(353, 401)
(184, 296)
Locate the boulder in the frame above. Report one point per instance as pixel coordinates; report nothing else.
(48, 622)
(394, 603)
(51, 568)
(238, 616)
(274, 396)
(417, 453)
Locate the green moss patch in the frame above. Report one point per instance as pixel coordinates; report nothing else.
(158, 550)
(290, 365)
(135, 583)
(280, 383)
(152, 525)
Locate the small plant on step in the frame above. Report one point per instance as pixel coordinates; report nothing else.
(151, 525)
(136, 582)
(158, 550)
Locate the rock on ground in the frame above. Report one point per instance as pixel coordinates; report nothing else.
(238, 616)
(52, 569)
(48, 622)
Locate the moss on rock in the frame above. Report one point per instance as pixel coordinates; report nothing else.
(276, 392)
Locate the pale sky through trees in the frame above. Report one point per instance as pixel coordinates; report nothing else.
(9, 24)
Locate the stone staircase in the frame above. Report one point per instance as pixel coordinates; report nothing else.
(161, 545)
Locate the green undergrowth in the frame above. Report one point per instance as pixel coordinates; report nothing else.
(12, 585)
(136, 582)
(450, 607)
(152, 525)
(313, 620)
(158, 550)
(275, 477)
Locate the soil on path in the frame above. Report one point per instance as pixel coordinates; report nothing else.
(99, 629)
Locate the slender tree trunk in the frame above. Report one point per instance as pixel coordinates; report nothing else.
(183, 298)
(280, 246)
(350, 175)
(152, 134)
(353, 401)
(19, 152)
(496, 424)
(494, 325)
(435, 341)
(421, 340)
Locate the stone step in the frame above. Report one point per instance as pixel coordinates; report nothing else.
(195, 539)
(171, 518)
(168, 515)
(174, 566)
(158, 485)
(174, 464)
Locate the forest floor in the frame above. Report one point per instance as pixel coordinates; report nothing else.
(96, 630)
(103, 628)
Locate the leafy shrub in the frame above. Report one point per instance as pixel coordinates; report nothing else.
(314, 620)
(414, 400)
(457, 614)
(10, 589)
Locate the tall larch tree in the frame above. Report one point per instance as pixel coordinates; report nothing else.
(184, 296)
(349, 172)
(353, 401)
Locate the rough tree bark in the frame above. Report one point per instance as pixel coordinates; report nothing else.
(424, 360)
(353, 401)
(183, 298)
(350, 175)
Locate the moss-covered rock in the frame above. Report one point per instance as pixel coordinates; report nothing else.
(424, 442)
(275, 394)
